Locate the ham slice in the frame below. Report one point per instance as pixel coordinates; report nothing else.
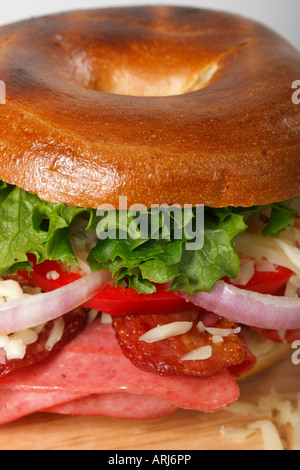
(93, 364)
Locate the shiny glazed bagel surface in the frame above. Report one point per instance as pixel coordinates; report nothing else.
(158, 104)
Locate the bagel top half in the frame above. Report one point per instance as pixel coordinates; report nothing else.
(158, 104)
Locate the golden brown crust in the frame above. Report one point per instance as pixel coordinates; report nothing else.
(73, 132)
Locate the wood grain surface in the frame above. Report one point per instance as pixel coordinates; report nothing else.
(184, 430)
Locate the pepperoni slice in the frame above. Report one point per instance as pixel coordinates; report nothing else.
(164, 357)
(37, 352)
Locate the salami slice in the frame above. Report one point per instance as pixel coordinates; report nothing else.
(93, 363)
(14, 404)
(116, 405)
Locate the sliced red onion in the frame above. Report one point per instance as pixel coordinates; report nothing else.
(34, 310)
(249, 308)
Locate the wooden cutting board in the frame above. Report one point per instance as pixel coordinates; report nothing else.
(184, 430)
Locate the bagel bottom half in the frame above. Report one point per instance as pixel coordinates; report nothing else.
(267, 352)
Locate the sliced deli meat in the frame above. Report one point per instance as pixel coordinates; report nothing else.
(93, 363)
(15, 404)
(117, 405)
(168, 357)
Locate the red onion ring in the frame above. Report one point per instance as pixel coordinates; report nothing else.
(40, 308)
(249, 308)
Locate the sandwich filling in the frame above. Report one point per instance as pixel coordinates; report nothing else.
(174, 311)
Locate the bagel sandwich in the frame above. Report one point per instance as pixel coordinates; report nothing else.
(149, 210)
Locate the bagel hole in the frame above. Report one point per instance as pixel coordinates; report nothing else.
(128, 85)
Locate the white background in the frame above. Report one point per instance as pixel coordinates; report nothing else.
(281, 15)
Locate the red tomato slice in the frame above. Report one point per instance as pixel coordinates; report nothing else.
(111, 300)
(38, 276)
(117, 301)
(120, 302)
(269, 282)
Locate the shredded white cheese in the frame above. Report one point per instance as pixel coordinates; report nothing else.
(201, 327)
(282, 335)
(169, 330)
(55, 334)
(223, 332)
(52, 275)
(28, 336)
(15, 349)
(276, 412)
(290, 249)
(270, 434)
(92, 315)
(14, 346)
(82, 242)
(38, 329)
(268, 251)
(10, 290)
(217, 339)
(246, 273)
(199, 354)
(263, 265)
(106, 319)
(236, 433)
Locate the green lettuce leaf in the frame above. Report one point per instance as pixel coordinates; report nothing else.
(29, 225)
(146, 262)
